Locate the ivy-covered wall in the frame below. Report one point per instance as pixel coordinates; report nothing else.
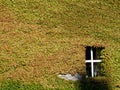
(42, 38)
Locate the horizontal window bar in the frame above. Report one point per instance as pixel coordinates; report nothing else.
(88, 61)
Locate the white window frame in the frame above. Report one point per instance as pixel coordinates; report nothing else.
(92, 61)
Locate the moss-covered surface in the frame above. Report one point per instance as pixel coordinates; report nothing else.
(42, 38)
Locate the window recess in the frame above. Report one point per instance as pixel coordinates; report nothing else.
(93, 61)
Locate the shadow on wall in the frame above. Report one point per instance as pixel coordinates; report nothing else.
(92, 84)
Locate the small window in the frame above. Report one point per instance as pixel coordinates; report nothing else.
(93, 61)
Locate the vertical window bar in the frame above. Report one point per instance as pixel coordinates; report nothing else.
(92, 62)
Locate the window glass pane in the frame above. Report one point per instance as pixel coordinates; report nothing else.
(94, 53)
(88, 55)
(88, 69)
(97, 69)
(97, 53)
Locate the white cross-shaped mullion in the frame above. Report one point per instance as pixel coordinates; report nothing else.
(92, 61)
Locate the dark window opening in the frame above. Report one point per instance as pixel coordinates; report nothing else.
(93, 61)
